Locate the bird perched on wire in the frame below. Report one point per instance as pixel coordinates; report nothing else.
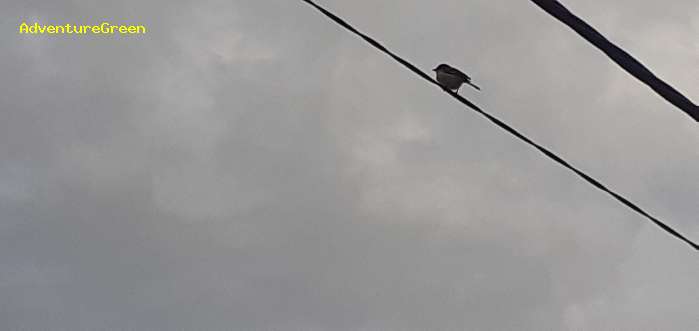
(452, 78)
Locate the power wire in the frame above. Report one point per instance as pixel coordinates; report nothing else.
(505, 127)
(619, 56)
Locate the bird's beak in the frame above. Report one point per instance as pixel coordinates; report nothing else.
(435, 69)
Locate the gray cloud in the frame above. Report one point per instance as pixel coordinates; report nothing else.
(248, 165)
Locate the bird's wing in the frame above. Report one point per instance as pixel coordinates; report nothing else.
(456, 72)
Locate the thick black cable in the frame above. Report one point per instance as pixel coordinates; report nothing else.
(506, 127)
(619, 56)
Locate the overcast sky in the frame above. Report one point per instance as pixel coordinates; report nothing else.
(248, 165)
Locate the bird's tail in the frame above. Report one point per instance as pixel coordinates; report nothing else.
(474, 86)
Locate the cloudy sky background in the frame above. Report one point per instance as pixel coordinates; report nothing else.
(249, 165)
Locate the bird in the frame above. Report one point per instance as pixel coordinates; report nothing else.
(451, 78)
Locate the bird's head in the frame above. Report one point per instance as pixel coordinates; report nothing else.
(441, 66)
